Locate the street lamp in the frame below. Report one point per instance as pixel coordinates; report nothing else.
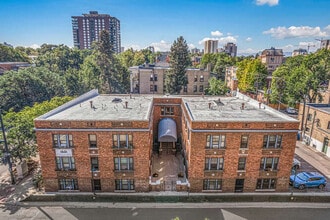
(7, 157)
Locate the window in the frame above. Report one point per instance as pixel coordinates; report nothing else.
(195, 78)
(155, 77)
(185, 89)
(328, 125)
(122, 141)
(92, 141)
(124, 184)
(155, 88)
(309, 117)
(214, 163)
(65, 163)
(241, 163)
(123, 163)
(215, 141)
(68, 184)
(269, 163)
(167, 111)
(201, 78)
(266, 184)
(62, 140)
(201, 88)
(94, 163)
(96, 184)
(244, 141)
(307, 129)
(151, 88)
(272, 141)
(212, 184)
(195, 88)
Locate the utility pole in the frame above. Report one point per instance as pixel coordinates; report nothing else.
(7, 156)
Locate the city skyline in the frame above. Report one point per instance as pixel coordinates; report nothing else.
(253, 25)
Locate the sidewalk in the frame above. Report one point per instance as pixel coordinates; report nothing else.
(315, 158)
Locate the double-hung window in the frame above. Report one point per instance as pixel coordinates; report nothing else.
(124, 184)
(62, 140)
(65, 163)
(272, 141)
(92, 141)
(214, 163)
(215, 141)
(241, 163)
(266, 184)
(68, 184)
(244, 141)
(167, 111)
(123, 163)
(94, 163)
(212, 184)
(122, 141)
(269, 163)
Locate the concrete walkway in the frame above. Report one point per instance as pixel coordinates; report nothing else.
(315, 158)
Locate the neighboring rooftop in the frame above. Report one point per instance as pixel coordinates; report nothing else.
(92, 106)
(321, 107)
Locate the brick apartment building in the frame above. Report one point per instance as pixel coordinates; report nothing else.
(315, 124)
(141, 143)
(149, 79)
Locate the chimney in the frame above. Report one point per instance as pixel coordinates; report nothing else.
(243, 105)
(126, 104)
(259, 104)
(210, 105)
(91, 102)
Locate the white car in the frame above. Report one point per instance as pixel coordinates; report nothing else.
(296, 164)
(291, 110)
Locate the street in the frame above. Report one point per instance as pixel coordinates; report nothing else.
(174, 211)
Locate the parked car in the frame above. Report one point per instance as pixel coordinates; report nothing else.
(291, 110)
(307, 180)
(296, 164)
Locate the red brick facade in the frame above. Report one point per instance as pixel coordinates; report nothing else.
(192, 135)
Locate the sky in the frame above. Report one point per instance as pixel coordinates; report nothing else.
(253, 25)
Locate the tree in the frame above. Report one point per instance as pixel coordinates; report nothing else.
(216, 87)
(19, 126)
(9, 54)
(251, 75)
(176, 77)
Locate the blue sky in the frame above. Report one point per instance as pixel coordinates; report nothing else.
(253, 25)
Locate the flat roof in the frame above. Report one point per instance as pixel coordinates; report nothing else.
(320, 107)
(230, 109)
(92, 106)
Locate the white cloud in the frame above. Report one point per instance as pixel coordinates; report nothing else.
(248, 51)
(191, 46)
(34, 46)
(295, 32)
(216, 33)
(287, 48)
(267, 2)
(133, 46)
(162, 46)
(249, 39)
(207, 38)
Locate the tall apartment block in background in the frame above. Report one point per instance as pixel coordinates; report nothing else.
(86, 29)
(210, 46)
(231, 49)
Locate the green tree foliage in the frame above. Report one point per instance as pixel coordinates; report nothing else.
(26, 86)
(60, 58)
(104, 68)
(19, 126)
(217, 62)
(216, 87)
(179, 60)
(130, 57)
(302, 77)
(9, 54)
(251, 75)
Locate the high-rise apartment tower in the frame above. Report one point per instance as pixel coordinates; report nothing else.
(86, 29)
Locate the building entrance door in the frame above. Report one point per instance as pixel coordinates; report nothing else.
(239, 185)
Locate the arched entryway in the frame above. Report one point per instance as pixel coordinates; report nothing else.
(167, 136)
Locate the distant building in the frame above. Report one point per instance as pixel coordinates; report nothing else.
(151, 48)
(7, 66)
(210, 46)
(325, 44)
(299, 51)
(272, 58)
(231, 78)
(195, 50)
(316, 126)
(149, 79)
(86, 29)
(230, 49)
